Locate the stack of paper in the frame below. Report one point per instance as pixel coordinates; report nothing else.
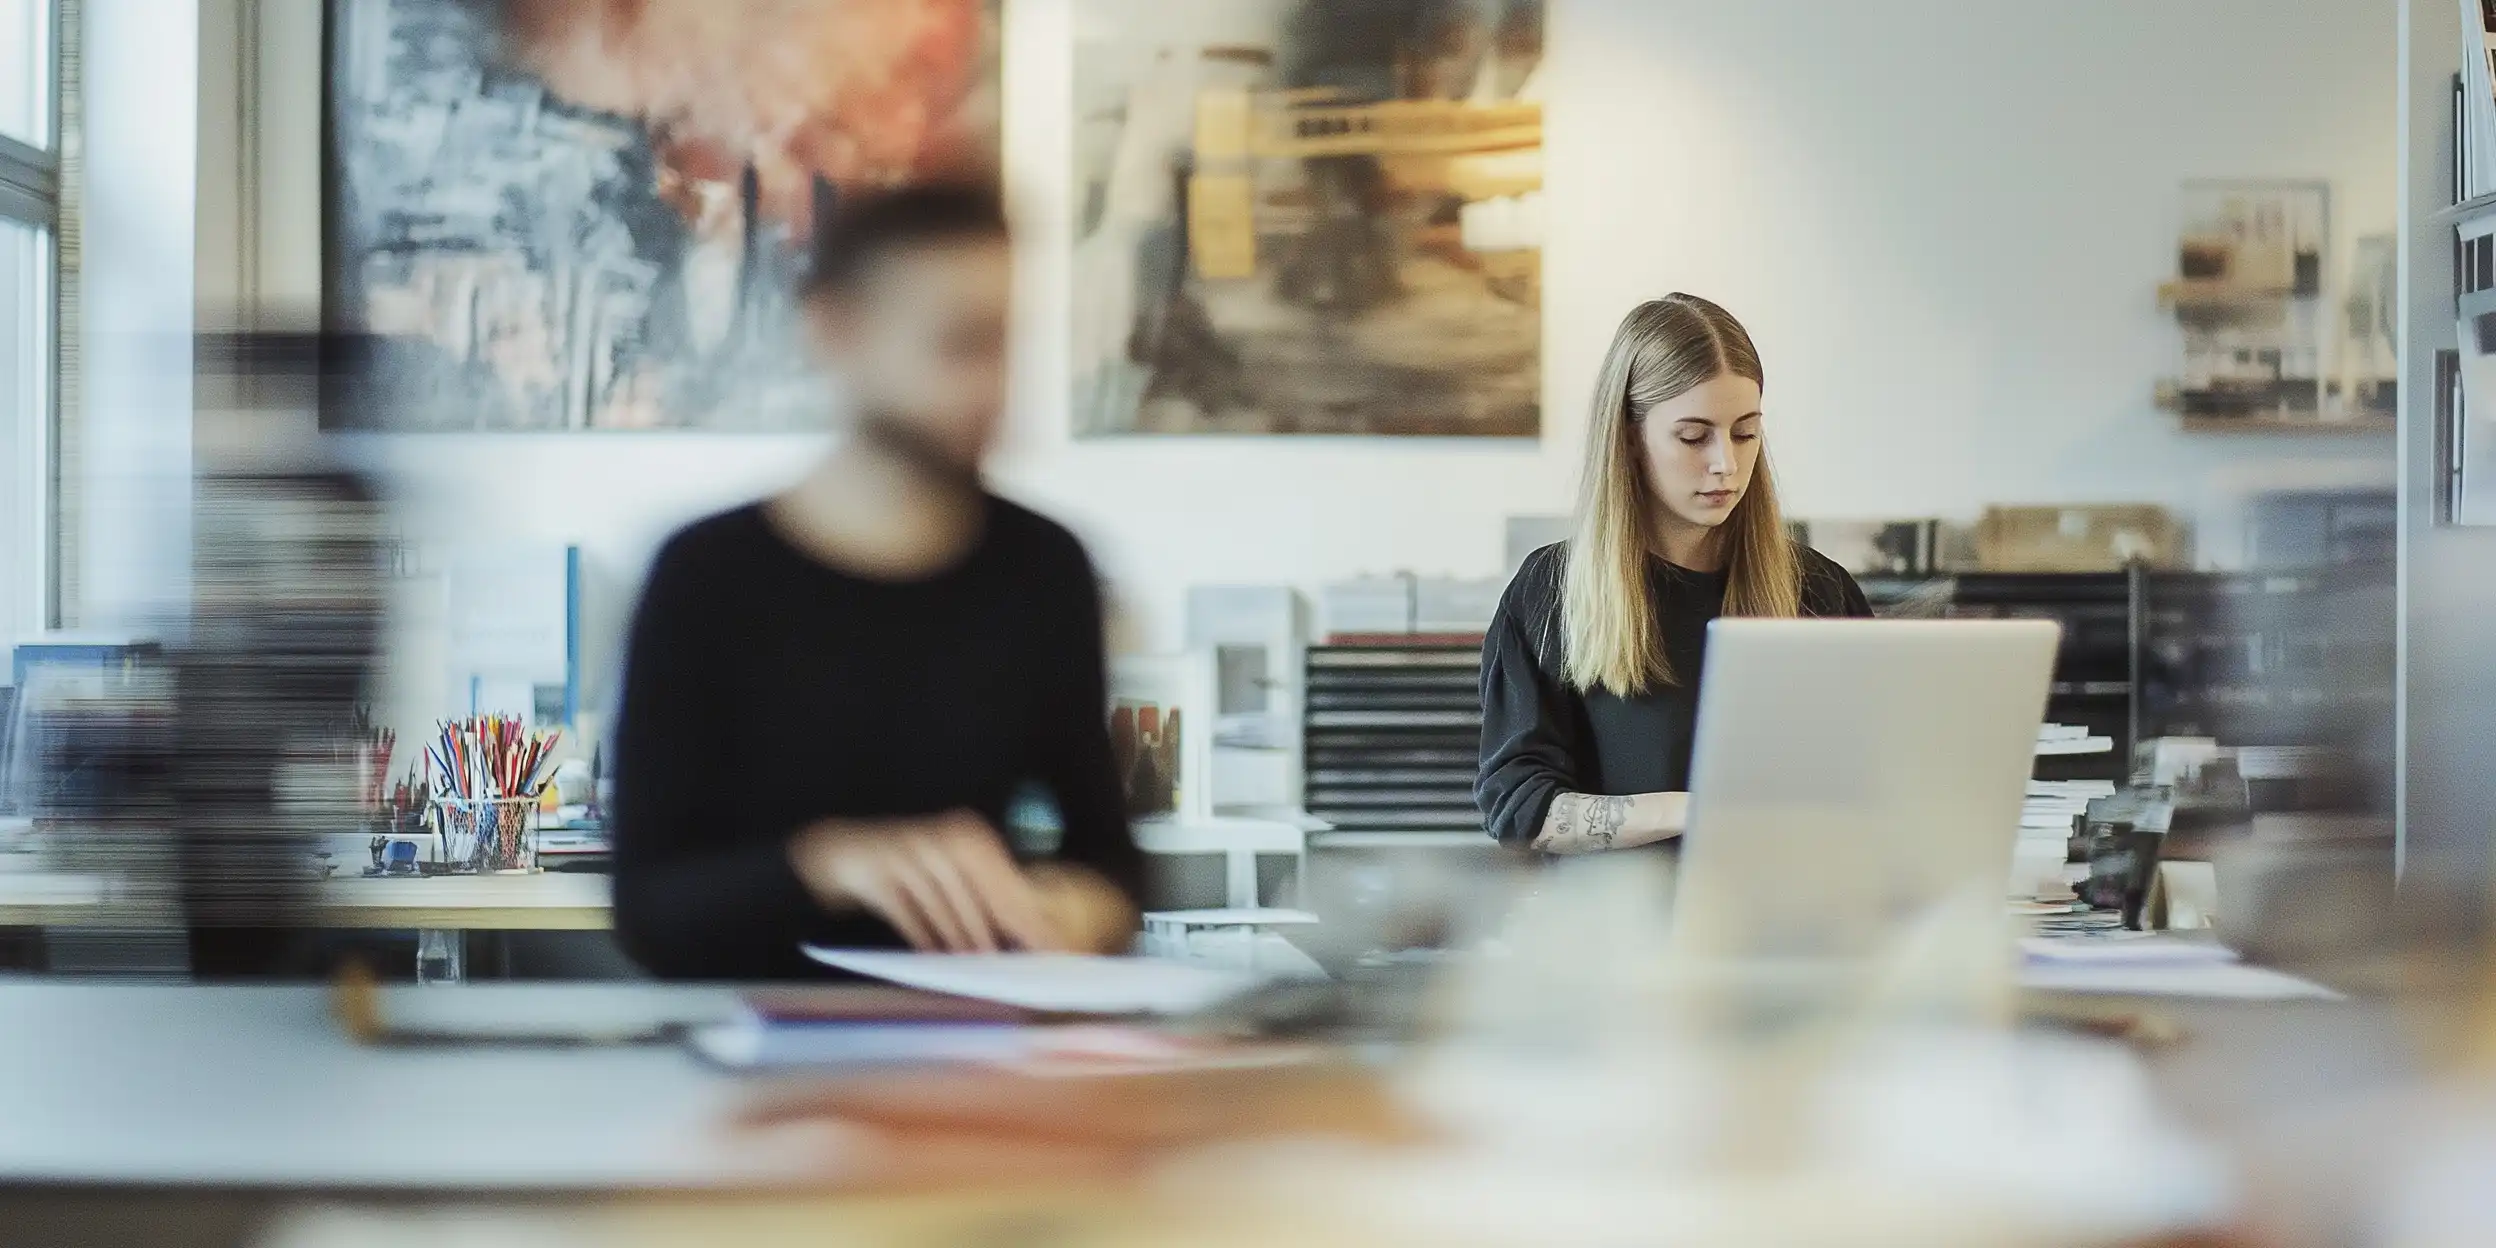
(2052, 804)
(2071, 739)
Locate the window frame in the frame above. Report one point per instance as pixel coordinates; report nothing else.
(30, 175)
(31, 194)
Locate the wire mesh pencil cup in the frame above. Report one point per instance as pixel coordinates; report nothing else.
(488, 834)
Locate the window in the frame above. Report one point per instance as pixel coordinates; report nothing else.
(30, 210)
(26, 52)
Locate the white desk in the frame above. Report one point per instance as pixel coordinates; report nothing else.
(185, 1086)
(1239, 841)
(546, 901)
(191, 1088)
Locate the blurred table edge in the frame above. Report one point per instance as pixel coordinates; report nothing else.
(538, 901)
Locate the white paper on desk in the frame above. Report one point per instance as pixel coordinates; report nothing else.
(2214, 981)
(2123, 949)
(1058, 983)
(753, 1044)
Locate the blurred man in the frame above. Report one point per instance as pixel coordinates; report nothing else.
(835, 697)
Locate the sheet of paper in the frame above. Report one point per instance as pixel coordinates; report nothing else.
(1058, 983)
(2122, 948)
(753, 1044)
(2215, 981)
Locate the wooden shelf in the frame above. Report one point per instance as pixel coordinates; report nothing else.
(2215, 296)
(2273, 424)
(2168, 398)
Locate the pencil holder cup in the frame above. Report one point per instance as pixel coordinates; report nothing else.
(482, 835)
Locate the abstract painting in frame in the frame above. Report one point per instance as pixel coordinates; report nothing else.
(1307, 217)
(536, 236)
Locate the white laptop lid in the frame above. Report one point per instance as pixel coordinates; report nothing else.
(1852, 777)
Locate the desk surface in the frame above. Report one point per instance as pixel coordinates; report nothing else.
(545, 901)
(186, 1086)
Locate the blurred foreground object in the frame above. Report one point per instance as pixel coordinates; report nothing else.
(947, 1129)
(91, 758)
(1088, 913)
(183, 787)
(284, 627)
(1589, 1084)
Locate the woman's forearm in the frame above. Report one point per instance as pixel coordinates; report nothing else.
(1591, 823)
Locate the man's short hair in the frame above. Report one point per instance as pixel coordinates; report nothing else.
(864, 227)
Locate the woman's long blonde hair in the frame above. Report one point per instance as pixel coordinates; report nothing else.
(1665, 348)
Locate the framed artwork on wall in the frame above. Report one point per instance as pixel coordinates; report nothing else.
(1307, 217)
(560, 215)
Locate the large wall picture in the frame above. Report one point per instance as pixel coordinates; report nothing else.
(578, 215)
(1308, 217)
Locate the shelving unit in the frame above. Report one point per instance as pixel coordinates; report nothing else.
(2094, 671)
(2376, 426)
(2267, 660)
(2168, 398)
(1393, 737)
(2249, 302)
(2273, 660)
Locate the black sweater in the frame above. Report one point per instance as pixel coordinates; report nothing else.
(764, 691)
(1541, 738)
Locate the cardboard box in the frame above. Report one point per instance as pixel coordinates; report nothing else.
(2103, 537)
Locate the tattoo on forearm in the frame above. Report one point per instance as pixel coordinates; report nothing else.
(1582, 823)
(1606, 816)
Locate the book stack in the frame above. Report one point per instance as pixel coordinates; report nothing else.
(2047, 814)
(2053, 804)
(2045, 828)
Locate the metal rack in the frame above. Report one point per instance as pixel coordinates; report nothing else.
(2297, 660)
(1394, 734)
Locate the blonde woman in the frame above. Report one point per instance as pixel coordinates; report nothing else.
(1590, 673)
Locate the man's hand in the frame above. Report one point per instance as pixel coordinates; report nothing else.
(945, 882)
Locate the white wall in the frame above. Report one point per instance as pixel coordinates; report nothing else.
(132, 456)
(1944, 222)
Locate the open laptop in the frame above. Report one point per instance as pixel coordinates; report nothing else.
(1852, 778)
